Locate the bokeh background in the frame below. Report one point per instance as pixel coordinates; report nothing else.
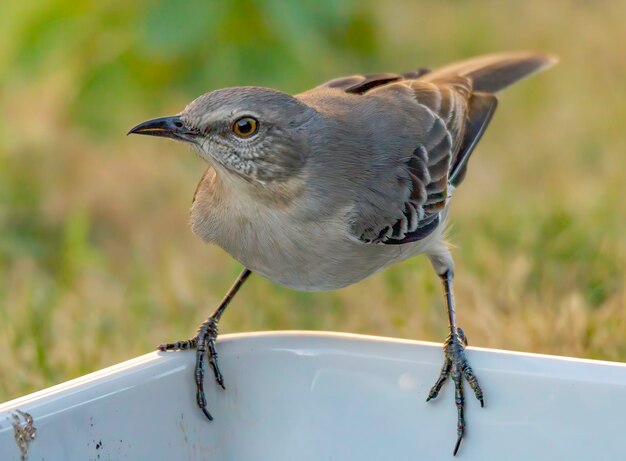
(97, 263)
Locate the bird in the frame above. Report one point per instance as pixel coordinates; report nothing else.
(319, 190)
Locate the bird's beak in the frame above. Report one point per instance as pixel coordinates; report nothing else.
(166, 127)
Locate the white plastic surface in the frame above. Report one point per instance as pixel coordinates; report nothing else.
(322, 396)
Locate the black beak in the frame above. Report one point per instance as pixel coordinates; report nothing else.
(166, 127)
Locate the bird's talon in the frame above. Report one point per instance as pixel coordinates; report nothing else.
(456, 368)
(220, 380)
(206, 413)
(457, 446)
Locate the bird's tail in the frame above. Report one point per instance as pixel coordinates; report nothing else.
(494, 72)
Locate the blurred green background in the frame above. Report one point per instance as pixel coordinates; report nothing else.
(97, 263)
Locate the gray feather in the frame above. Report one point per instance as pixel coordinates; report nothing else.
(494, 72)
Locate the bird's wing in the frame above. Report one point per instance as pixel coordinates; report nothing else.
(360, 84)
(453, 106)
(454, 119)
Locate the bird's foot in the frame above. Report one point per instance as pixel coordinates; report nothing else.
(204, 344)
(456, 366)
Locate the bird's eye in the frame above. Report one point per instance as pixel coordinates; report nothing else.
(245, 127)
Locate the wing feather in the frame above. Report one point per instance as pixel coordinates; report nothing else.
(445, 111)
(453, 106)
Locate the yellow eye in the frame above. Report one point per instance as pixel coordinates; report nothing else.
(245, 127)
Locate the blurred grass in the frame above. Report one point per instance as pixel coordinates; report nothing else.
(97, 263)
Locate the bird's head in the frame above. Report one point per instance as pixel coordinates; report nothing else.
(255, 133)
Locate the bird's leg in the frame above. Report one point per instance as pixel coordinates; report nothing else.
(204, 343)
(455, 364)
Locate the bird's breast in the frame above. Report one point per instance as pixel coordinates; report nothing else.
(304, 254)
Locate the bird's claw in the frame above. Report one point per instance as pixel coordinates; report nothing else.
(204, 344)
(455, 366)
(210, 337)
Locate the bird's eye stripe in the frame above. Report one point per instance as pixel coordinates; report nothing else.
(245, 127)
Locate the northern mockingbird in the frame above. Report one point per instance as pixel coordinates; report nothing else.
(319, 190)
